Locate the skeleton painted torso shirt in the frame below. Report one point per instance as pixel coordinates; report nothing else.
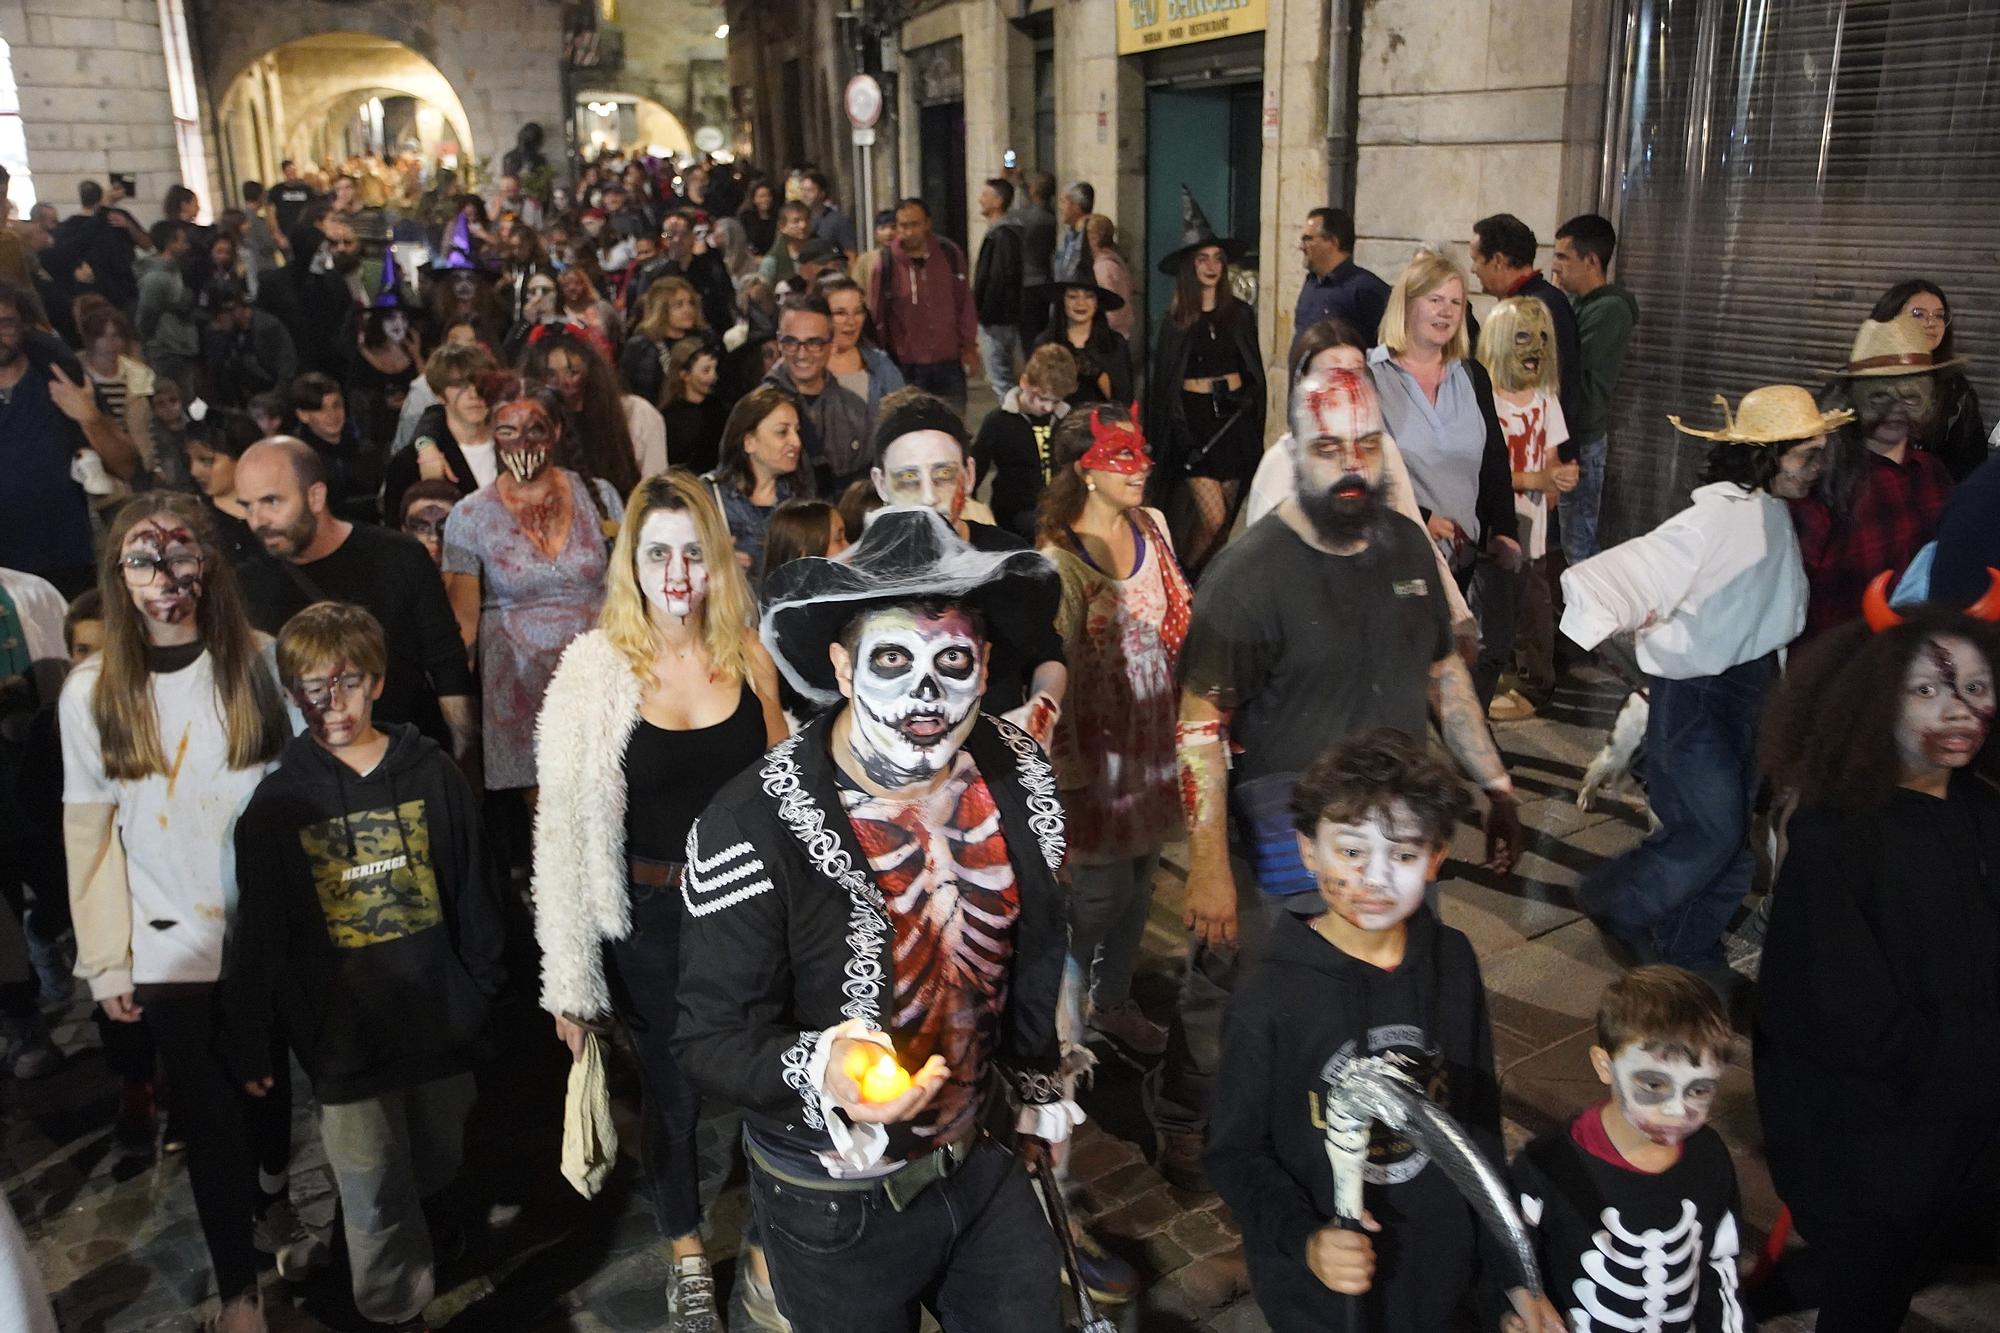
(941, 864)
(1627, 1251)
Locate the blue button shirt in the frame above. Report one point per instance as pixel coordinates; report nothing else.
(1349, 292)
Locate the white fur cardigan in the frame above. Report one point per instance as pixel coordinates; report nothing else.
(580, 892)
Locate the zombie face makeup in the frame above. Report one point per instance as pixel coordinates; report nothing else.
(524, 436)
(338, 703)
(673, 572)
(395, 326)
(1892, 408)
(915, 679)
(425, 521)
(1337, 450)
(1666, 1097)
(1526, 352)
(1947, 706)
(162, 564)
(1799, 468)
(928, 468)
(1372, 873)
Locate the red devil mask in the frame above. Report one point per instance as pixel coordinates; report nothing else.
(1118, 448)
(1880, 615)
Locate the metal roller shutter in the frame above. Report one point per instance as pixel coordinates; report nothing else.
(1776, 166)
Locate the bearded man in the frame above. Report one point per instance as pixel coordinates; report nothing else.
(1326, 618)
(874, 945)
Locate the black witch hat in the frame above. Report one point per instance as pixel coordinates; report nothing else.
(1196, 233)
(1081, 273)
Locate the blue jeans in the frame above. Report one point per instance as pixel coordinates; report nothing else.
(1671, 897)
(974, 1248)
(1581, 506)
(946, 379)
(999, 344)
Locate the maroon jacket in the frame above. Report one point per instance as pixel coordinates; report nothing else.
(923, 307)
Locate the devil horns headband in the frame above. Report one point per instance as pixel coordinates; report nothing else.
(1118, 447)
(1875, 608)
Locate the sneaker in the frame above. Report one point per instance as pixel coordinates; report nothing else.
(277, 1224)
(1108, 1279)
(758, 1302)
(245, 1314)
(1180, 1161)
(1513, 706)
(1127, 1025)
(36, 1056)
(307, 1254)
(691, 1298)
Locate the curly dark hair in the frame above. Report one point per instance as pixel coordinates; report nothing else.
(1829, 732)
(1751, 466)
(1370, 773)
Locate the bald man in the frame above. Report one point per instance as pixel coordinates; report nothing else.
(311, 555)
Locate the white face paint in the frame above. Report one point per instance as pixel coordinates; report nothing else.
(927, 468)
(916, 682)
(672, 571)
(1664, 1096)
(1372, 874)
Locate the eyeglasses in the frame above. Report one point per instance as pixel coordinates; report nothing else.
(1929, 317)
(318, 691)
(142, 571)
(791, 344)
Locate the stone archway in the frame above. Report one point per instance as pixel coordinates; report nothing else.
(636, 122)
(299, 99)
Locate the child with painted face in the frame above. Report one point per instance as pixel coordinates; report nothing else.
(165, 734)
(370, 929)
(1634, 1203)
(1877, 1036)
(1375, 974)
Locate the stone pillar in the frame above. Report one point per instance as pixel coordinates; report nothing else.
(1295, 173)
(1462, 114)
(1101, 125)
(92, 78)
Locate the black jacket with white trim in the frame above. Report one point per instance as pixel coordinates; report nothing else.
(786, 933)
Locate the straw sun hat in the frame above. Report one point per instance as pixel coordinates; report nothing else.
(1774, 414)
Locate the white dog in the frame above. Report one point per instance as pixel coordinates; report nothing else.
(1611, 770)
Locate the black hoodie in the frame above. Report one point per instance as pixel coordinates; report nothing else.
(1306, 1009)
(368, 915)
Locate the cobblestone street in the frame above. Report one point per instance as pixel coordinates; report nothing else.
(119, 1246)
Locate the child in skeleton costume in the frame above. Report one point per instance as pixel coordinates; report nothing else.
(1878, 1025)
(883, 887)
(1517, 345)
(1635, 1201)
(1373, 974)
(1711, 595)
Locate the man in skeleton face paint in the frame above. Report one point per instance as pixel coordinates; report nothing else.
(878, 897)
(1634, 1203)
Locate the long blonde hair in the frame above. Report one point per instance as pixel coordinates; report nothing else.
(727, 613)
(1423, 275)
(128, 728)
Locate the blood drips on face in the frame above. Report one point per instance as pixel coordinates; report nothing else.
(1948, 706)
(167, 599)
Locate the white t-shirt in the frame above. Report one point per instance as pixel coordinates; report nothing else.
(178, 828)
(41, 609)
(1533, 427)
(484, 460)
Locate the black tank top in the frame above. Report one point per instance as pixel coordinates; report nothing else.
(671, 776)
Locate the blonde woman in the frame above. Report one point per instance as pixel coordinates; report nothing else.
(165, 734)
(648, 715)
(1437, 402)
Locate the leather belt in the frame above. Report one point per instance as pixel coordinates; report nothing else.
(651, 874)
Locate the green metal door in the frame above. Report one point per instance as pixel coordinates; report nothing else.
(1207, 140)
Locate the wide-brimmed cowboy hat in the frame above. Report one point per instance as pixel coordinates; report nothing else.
(1896, 346)
(906, 553)
(1195, 234)
(1080, 273)
(1774, 414)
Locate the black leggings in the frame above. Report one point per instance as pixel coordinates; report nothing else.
(229, 1133)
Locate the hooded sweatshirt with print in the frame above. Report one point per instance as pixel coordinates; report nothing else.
(1292, 1025)
(369, 918)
